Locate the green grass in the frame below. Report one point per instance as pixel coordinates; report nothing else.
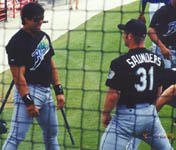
(83, 58)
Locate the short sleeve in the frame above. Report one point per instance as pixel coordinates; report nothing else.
(168, 77)
(154, 20)
(52, 50)
(15, 54)
(114, 77)
(51, 47)
(157, 19)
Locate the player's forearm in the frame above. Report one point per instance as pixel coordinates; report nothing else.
(56, 82)
(55, 76)
(154, 37)
(19, 79)
(166, 97)
(22, 87)
(110, 101)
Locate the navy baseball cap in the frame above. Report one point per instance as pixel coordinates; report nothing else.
(134, 26)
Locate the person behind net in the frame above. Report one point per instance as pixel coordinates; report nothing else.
(134, 82)
(154, 5)
(33, 69)
(163, 33)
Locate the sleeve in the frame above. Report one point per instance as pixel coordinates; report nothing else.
(52, 50)
(162, 75)
(157, 19)
(169, 77)
(16, 55)
(51, 47)
(113, 78)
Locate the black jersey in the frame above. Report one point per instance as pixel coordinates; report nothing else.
(164, 22)
(137, 75)
(169, 77)
(33, 53)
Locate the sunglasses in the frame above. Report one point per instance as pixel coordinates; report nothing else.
(37, 19)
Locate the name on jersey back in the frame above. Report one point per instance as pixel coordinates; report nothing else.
(143, 58)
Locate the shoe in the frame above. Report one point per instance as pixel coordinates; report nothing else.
(76, 8)
(70, 8)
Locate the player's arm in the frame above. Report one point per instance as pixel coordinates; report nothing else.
(19, 79)
(57, 86)
(110, 102)
(166, 97)
(144, 2)
(154, 37)
(141, 15)
(21, 84)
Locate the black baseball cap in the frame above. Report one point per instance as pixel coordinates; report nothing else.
(31, 10)
(134, 26)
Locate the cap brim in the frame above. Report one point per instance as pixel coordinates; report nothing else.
(121, 26)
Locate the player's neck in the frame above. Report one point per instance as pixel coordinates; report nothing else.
(33, 34)
(134, 46)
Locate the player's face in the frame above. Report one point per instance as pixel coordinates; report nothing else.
(37, 22)
(34, 24)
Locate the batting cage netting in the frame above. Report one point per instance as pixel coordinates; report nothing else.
(85, 39)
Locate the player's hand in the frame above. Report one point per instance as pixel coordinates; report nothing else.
(142, 18)
(32, 110)
(106, 119)
(166, 53)
(60, 101)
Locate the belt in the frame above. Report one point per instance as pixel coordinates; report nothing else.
(43, 85)
(141, 105)
(171, 47)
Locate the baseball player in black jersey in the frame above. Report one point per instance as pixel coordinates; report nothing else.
(134, 82)
(30, 58)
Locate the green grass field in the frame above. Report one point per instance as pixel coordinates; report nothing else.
(83, 58)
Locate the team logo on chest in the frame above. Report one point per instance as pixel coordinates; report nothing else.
(171, 29)
(40, 52)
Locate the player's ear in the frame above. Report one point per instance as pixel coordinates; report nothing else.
(130, 36)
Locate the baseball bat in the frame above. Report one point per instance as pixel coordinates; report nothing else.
(6, 96)
(67, 126)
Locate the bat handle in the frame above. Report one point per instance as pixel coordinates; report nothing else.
(67, 126)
